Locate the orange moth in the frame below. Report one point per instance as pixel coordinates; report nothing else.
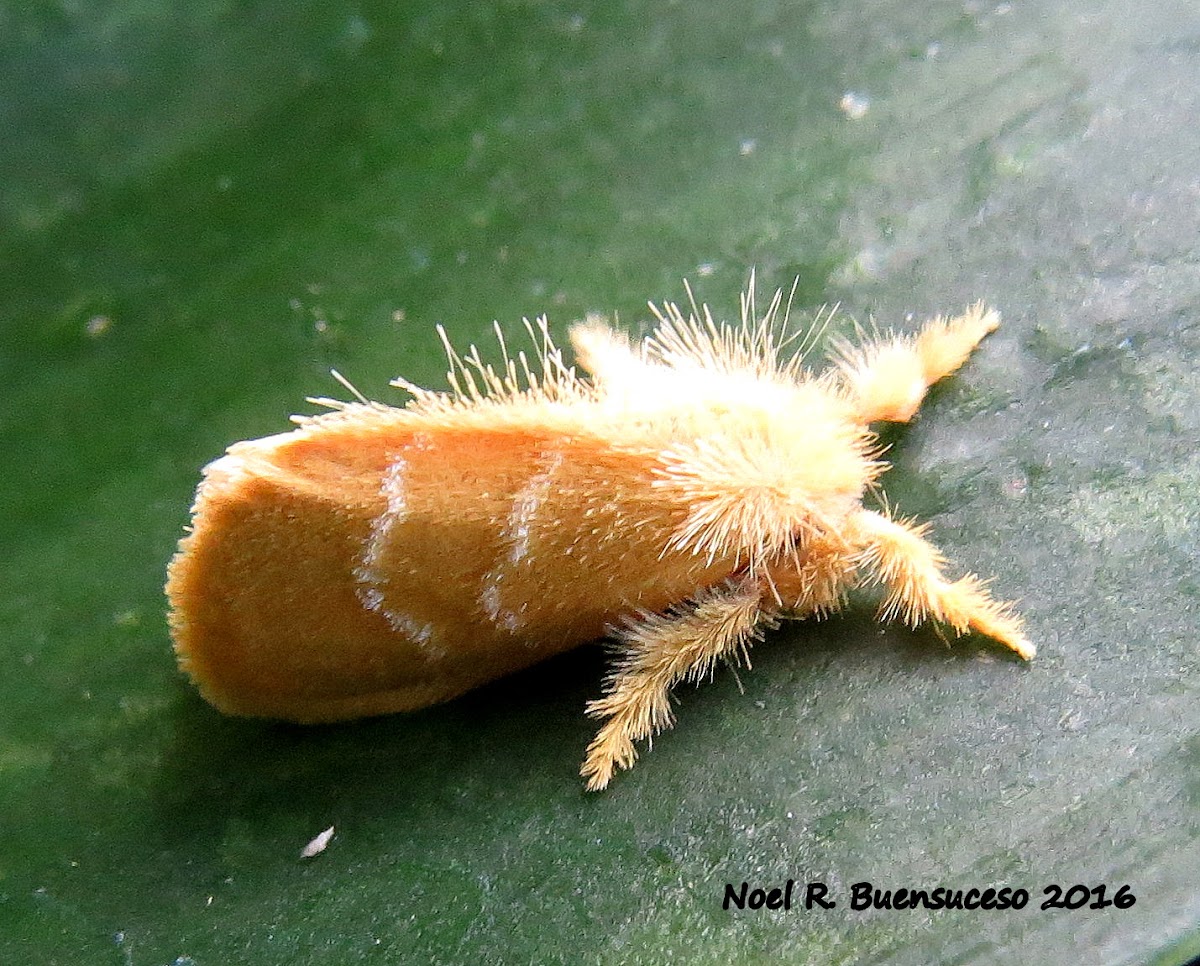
(700, 485)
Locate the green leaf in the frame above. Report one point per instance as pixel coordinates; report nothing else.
(204, 208)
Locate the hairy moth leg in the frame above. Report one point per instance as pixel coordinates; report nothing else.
(900, 557)
(814, 580)
(888, 378)
(661, 650)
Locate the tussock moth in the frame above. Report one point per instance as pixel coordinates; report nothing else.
(700, 485)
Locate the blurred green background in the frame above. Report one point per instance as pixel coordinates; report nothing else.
(205, 207)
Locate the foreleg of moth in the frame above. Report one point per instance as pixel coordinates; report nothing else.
(888, 378)
(899, 556)
(659, 651)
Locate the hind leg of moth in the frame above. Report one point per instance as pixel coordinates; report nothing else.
(658, 651)
(898, 556)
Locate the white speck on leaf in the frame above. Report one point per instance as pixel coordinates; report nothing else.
(854, 105)
(318, 844)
